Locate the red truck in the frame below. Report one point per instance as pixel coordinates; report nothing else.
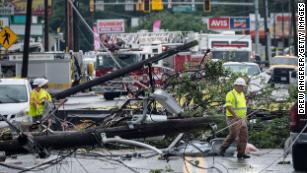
(186, 61)
(135, 81)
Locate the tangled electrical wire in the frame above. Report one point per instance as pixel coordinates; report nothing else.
(40, 166)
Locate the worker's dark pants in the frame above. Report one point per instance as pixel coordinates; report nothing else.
(239, 132)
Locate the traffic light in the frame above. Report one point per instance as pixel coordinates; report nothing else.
(147, 5)
(140, 5)
(156, 5)
(207, 6)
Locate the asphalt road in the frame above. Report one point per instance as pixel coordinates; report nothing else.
(264, 160)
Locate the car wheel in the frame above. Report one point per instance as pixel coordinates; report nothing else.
(299, 157)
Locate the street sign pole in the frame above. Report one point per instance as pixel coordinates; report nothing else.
(267, 33)
(25, 61)
(46, 31)
(256, 26)
(76, 28)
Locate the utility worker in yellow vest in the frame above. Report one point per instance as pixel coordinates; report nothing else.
(44, 96)
(34, 102)
(236, 118)
(39, 98)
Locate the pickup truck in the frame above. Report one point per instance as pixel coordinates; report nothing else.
(14, 100)
(281, 67)
(298, 124)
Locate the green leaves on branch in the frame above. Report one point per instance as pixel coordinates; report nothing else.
(269, 134)
(205, 91)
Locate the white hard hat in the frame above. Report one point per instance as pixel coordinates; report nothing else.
(36, 81)
(240, 81)
(40, 82)
(43, 82)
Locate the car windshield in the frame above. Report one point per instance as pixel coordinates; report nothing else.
(13, 94)
(238, 56)
(123, 59)
(284, 61)
(250, 70)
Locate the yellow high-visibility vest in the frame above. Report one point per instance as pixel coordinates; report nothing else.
(43, 96)
(48, 96)
(238, 103)
(33, 103)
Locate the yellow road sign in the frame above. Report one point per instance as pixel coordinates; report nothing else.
(7, 37)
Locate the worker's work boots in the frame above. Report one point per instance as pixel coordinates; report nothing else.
(243, 156)
(222, 151)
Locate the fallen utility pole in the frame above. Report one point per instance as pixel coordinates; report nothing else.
(123, 71)
(93, 137)
(25, 60)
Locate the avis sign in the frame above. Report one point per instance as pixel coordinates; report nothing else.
(219, 23)
(229, 23)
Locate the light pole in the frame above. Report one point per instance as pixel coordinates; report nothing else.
(256, 26)
(267, 33)
(46, 31)
(25, 60)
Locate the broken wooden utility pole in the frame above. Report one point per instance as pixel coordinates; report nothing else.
(25, 60)
(93, 137)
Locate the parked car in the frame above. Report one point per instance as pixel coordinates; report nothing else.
(14, 100)
(249, 68)
(299, 148)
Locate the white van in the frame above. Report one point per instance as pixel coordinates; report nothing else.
(14, 100)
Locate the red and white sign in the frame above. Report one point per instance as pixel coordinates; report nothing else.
(111, 26)
(282, 24)
(221, 23)
(238, 45)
